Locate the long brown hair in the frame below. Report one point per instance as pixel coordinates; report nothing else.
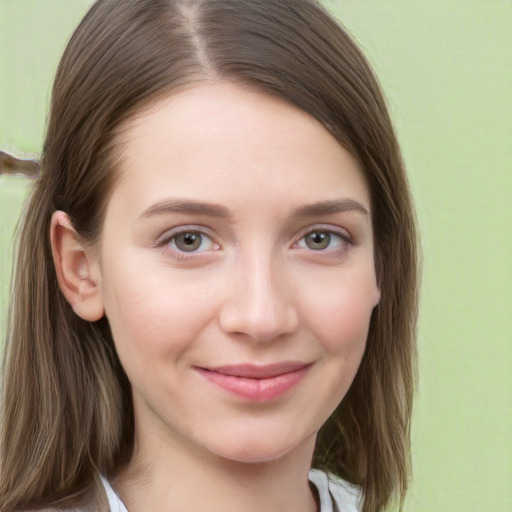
(66, 403)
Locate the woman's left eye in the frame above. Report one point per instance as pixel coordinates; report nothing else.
(322, 240)
(191, 242)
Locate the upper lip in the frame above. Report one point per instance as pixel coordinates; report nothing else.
(252, 371)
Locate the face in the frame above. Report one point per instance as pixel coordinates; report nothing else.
(236, 271)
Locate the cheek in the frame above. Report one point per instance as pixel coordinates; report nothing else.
(341, 313)
(153, 317)
(340, 318)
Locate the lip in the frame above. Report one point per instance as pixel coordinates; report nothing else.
(256, 383)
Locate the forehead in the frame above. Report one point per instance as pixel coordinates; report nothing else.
(222, 142)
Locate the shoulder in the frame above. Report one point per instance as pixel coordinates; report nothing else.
(332, 489)
(73, 509)
(89, 504)
(85, 507)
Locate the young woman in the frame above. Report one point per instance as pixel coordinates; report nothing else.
(215, 288)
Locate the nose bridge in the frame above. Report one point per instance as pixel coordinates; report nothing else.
(260, 302)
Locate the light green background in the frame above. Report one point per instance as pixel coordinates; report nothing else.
(446, 67)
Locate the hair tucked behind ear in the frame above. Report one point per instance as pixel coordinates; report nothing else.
(64, 392)
(66, 403)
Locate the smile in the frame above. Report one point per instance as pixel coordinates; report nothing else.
(256, 383)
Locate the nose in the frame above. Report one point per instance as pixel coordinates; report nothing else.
(259, 301)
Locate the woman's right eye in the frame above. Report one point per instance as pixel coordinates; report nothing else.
(186, 242)
(191, 242)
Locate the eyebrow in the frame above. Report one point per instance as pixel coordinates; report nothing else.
(330, 207)
(319, 208)
(187, 206)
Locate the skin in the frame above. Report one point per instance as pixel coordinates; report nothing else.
(256, 290)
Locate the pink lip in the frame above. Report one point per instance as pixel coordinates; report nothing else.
(257, 383)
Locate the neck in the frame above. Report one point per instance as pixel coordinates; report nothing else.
(170, 474)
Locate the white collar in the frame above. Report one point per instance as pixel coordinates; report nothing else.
(335, 494)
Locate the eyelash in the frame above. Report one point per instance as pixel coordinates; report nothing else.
(168, 241)
(344, 241)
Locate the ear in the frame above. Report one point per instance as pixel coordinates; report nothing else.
(77, 268)
(377, 297)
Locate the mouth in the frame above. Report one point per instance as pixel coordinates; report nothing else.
(256, 383)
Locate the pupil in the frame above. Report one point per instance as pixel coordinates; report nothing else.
(318, 241)
(188, 242)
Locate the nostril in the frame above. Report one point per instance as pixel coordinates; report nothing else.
(261, 324)
(259, 303)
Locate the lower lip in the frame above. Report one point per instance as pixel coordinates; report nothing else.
(257, 390)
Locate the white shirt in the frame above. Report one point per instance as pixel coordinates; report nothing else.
(335, 494)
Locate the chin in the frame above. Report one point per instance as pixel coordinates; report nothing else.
(270, 449)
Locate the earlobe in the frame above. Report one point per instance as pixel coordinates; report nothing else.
(378, 296)
(77, 269)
